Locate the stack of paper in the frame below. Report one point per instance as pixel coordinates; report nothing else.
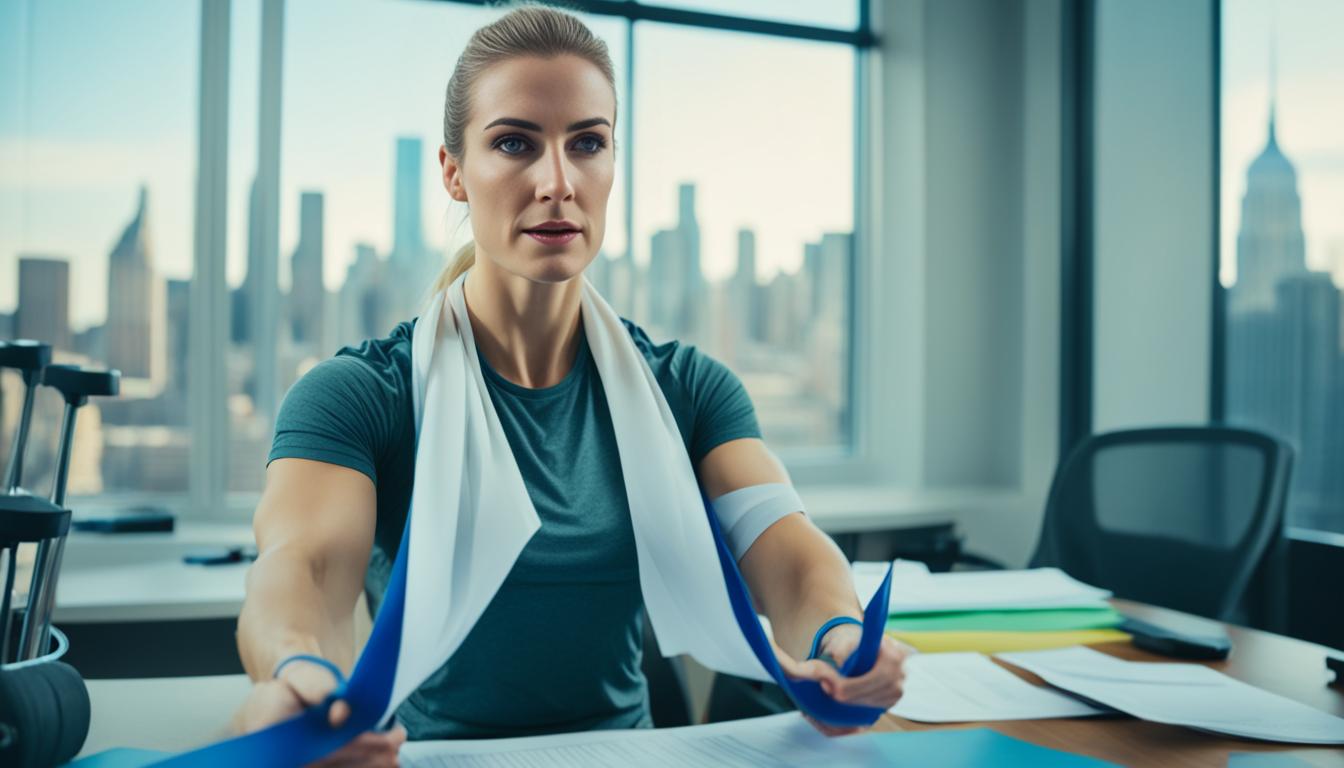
(968, 687)
(991, 611)
(1191, 695)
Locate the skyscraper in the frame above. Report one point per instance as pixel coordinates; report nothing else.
(408, 237)
(743, 293)
(677, 291)
(44, 301)
(666, 281)
(306, 292)
(134, 302)
(1270, 243)
(1285, 373)
(410, 268)
(361, 312)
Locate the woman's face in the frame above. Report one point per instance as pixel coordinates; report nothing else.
(538, 150)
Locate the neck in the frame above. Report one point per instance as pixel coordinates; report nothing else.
(528, 332)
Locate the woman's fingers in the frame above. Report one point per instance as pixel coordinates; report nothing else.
(310, 682)
(882, 685)
(337, 713)
(830, 730)
(372, 748)
(818, 670)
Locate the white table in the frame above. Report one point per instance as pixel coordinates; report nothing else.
(169, 714)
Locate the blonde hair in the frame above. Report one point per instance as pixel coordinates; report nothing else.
(530, 29)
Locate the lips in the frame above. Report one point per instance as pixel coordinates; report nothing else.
(552, 236)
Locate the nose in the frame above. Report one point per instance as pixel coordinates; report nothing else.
(553, 182)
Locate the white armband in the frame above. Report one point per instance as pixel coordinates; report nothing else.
(744, 514)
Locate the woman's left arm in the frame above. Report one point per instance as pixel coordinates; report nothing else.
(799, 579)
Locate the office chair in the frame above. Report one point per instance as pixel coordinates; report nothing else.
(1180, 517)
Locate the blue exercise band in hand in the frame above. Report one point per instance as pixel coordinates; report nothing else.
(827, 627)
(807, 694)
(318, 660)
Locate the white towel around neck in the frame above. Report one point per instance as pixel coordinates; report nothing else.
(471, 515)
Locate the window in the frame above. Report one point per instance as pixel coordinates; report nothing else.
(334, 221)
(832, 14)
(744, 214)
(1282, 250)
(97, 158)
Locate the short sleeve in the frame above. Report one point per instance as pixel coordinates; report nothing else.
(722, 409)
(340, 412)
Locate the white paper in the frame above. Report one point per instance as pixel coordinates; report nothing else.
(776, 740)
(969, 687)
(915, 590)
(1191, 695)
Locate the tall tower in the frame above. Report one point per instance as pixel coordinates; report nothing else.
(44, 301)
(694, 299)
(134, 320)
(1270, 243)
(743, 291)
(306, 295)
(1285, 373)
(408, 239)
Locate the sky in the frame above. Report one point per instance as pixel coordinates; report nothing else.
(1310, 123)
(97, 98)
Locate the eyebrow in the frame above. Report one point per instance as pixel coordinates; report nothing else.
(531, 126)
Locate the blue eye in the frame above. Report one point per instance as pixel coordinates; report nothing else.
(504, 142)
(592, 144)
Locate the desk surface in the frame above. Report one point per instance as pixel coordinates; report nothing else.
(1285, 666)
(1292, 668)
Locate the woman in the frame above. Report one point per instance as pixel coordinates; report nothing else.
(529, 119)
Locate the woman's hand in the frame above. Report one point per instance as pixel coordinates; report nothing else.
(878, 687)
(300, 686)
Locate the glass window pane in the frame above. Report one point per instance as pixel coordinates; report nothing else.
(365, 225)
(97, 191)
(744, 213)
(1283, 238)
(834, 14)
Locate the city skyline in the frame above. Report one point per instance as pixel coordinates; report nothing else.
(765, 332)
(147, 135)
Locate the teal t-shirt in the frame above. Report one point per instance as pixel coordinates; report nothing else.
(560, 645)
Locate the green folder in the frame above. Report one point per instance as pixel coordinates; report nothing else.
(1050, 620)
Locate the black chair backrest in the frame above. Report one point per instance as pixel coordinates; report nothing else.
(1179, 516)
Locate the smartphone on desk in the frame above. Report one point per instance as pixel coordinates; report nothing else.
(1202, 641)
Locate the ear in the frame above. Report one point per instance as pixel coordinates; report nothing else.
(452, 175)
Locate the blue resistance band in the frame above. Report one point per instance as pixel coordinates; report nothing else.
(811, 653)
(308, 736)
(807, 695)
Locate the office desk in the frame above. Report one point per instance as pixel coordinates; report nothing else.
(1282, 665)
(160, 714)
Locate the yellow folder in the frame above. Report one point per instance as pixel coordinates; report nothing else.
(998, 642)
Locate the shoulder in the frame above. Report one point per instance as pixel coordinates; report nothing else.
(708, 401)
(386, 360)
(672, 359)
(370, 381)
(351, 409)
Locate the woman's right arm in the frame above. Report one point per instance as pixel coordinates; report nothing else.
(314, 528)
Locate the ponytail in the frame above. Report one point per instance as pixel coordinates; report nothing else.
(466, 256)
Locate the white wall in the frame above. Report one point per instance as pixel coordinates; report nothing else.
(1153, 213)
(969, 266)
